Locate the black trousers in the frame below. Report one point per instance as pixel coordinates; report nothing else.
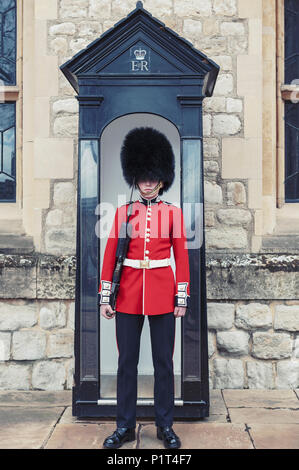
(162, 334)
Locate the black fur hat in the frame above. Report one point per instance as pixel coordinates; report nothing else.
(147, 154)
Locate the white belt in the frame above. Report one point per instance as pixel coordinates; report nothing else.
(146, 263)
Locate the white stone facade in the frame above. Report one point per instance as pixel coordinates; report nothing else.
(253, 343)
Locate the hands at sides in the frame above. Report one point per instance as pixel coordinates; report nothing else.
(179, 311)
(107, 312)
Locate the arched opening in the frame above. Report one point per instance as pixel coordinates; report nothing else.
(114, 192)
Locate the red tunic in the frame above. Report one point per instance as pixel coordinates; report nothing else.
(156, 227)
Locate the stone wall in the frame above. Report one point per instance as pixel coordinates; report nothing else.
(220, 29)
(253, 339)
(253, 303)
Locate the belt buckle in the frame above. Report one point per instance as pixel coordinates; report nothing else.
(144, 263)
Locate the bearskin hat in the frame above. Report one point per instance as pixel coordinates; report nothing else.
(146, 154)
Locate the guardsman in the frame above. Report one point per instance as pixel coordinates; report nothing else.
(148, 287)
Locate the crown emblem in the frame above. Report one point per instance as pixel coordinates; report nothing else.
(140, 53)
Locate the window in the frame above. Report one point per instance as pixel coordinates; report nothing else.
(8, 97)
(291, 105)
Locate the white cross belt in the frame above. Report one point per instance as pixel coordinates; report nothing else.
(146, 263)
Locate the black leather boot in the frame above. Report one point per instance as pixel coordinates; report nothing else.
(169, 437)
(119, 437)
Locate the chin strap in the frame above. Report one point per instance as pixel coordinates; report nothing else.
(157, 187)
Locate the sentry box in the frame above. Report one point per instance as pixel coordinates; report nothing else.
(138, 73)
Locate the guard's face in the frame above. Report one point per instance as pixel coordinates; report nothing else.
(147, 186)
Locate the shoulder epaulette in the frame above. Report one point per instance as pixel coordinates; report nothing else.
(166, 202)
(128, 202)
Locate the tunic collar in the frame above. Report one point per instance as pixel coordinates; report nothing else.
(149, 201)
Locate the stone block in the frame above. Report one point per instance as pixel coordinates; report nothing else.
(90, 29)
(212, 45)
(71, 316)
(69, 105)
(211, 168)
(121, 8)
(211, 348)
(28, 345)
(252, 9)
(226, 238)
(56, 277)
(286, 317)
(236, 193)
(48, 163)
(59, 46)
(206, 123)
(210, 26)
(214, 104)
(67, 9)
(232, 28)
(209, 219)
(210, 148)
(260, 375)
(252, 277)
(224, 85)
(65, 29)
(45, 10)
(287, 374)
(228, 373)
(41, 129)
(15, 377)
(44, 86)
(234, 216)
(5, 339)
(225, 7)
(15, 315)
(253, 315)
(249, 75)
(193, 7)
(192, 29)
(48, 375)
(212, 193)
(76, 45)
(224, 61)
(226, 124)
(52, 315)
(220, 315)
(17, 276)
(233, 342)
(70, 371)
(54, 218)
(240, 157)
(66, 126)
(61, 344)
(64, 194)
(271, 346)
(234, 105)
(61, 241)
(237, 45)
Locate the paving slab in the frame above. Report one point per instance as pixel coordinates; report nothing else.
(36, 398)
(263, 415)
(261, 398)
(217, 404)
(275, 436)
(26, 427)
(200, 436)
(83, 436)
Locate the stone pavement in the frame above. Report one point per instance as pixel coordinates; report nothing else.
(239, 419)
